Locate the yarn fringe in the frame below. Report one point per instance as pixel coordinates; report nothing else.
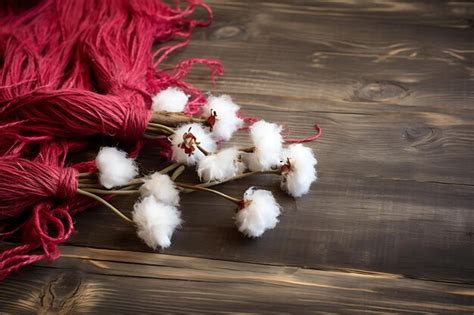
(70, 70)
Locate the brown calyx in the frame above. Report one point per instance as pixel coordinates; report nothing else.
(285, 168)
(189, 143)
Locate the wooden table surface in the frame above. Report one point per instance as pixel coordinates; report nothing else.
(388, 228)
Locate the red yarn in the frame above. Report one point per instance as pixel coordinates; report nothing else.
(71, 69)
(45, 190)
(25, 183)
(101, 46)
(75, 113)
(319, 132)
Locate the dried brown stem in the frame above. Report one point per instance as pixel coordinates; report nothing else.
(105, 203)
(197, 187)
(172, 119)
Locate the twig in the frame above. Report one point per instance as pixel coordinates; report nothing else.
(196, 187)
(112, 192)
(87, 174)
(243, 175)
(105, 203)
(162, 127)
(247, 150)
(178, 172)
(169, 168)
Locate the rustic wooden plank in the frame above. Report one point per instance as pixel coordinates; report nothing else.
(391, 83)
(91, 280)
(352, 53)
(421, 230)
(420, 146)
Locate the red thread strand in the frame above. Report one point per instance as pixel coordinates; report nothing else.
(319, 132)
(69, 70)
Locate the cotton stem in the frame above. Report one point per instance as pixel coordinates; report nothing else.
(169, 168)
(173, 119)
(243, 175)
(161, 127)
(247, 150)
(105, 203)
(112, 192)
(178, 172)
(197, 187)
(204, 151)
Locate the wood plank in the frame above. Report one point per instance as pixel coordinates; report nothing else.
(358, 55)
(421, 230)
(420, 146)
(91, 280)
(391, 83)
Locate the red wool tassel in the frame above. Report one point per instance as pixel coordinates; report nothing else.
(45, 191)
(70, 69)
(75, 113)
(65, 76)
(25, 183)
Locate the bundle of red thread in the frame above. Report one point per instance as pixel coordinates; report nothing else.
(75, 71)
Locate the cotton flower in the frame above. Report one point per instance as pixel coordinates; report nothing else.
(298, 172)
(259, 212)
(185, 141)
(170, 100)
(162, 188)
(115, 169)
(221, 115)
(156, 221)
(267, 140)
(221, 166)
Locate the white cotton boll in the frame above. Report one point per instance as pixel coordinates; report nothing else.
(202, 136)
(171, 99)
(156, 221)
(221, 165)
(302, 171)
(267, 140)
(260, 213)
(227, 122)
(161, 187)
(115, 169)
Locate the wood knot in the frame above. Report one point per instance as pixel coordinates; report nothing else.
(61, 293)
(380, 91)
(226, 32)
(420, 136)
(416, 133)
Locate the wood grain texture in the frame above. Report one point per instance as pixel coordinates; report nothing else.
(90, 280)
(392, 84)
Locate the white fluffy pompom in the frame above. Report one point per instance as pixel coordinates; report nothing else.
(260, 213)
(115, 169)
(162, 188)
(221, 165)
(156, 221)
(267, 140)
(169, 100)
(226, 120)
(201, 136)
(299, 170)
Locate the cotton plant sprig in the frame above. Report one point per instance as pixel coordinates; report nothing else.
(86, 113)
(195, 142)
(220, 114)
(156, 214)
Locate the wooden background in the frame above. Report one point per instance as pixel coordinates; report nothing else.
(388, 228)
